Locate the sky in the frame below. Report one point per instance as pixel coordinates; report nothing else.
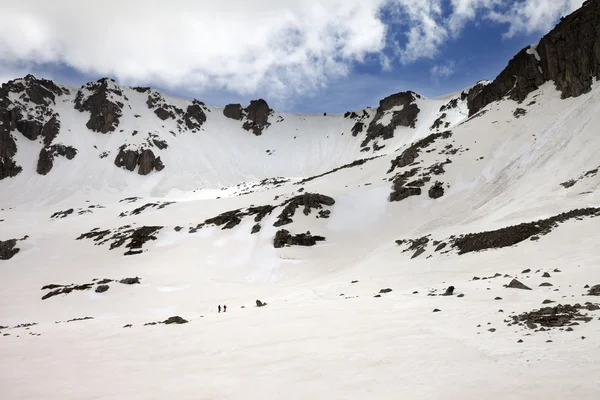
(304, 56)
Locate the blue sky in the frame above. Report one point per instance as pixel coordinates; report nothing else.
(308, 56)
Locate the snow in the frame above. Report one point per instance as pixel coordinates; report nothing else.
(320, 336)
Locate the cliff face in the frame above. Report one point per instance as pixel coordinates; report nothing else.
(569, 55)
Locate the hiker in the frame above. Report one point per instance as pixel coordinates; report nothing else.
(219, 308)
(224, 308)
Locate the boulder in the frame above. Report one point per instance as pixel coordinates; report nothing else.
(8, 249)
(515, 284)
(101, 288)
(260, 303)
(175, 320)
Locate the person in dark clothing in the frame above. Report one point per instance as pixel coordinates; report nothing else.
(219, 308)
(224, 308)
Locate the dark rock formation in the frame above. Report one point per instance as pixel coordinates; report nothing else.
(406, 116)
(231, 219)
(512, 235)
(146, 162)
(355, 163)
(449, 291)
(51, 129)
(400, 192)
(194, 116)
(515, 284)
(308, 201)
(357, 128)
(8, 249)
(142, 158)
(234, 111)
(383, 291)
(104, 114)
(260, 303)
(517, 80)
(284, 238)
(66, 289)
(162, 109)
(31, 129)
(47, 155)
(62, 214)
(410, 154)
(101, 288)
(137, 237)
(257, 115)
(594, 291)
(8, 146)
(130, 281)
(436, 191)
(569, 55)
(555, 317)
(175, 320)
(255, 229)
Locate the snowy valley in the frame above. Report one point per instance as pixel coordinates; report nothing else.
(127, 216)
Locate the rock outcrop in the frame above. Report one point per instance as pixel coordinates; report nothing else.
(97, 98)
(569, 55)
(47, 155)
(142, 158)
(256, 115)
(285, 238)
(8, 146)
(194, 115)
(307, 200)
(8, 249)
(234, 111)
(404, 113)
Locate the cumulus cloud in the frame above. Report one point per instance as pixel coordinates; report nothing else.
(277, 47)
(428, 27)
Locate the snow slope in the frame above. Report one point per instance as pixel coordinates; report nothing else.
(409, 198)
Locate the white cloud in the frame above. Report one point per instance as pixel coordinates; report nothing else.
(529, 16)
(292, 45)
(427, 27)
(278, 47)
(442, 71)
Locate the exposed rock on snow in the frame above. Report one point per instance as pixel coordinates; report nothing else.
(8, 249)
(159, 206)
(256, 115)
(403, 112)
(515, 284)
(137, 237)
(554, 317)
(47, 155)
(569, 55)
(231, 219)
(101, 288)
(175, 320)
(144, 158)
(130, 281)
(308, 200)
(436, 191)
(349, 165)
(284, 238)
(594, 290)
(260, 303)
(234, 111)
(512, 235)
(102, 100)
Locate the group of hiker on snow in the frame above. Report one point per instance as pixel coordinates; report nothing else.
(224, 308)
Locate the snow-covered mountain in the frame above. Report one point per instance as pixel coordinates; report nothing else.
(126, 207)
